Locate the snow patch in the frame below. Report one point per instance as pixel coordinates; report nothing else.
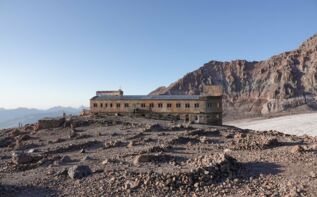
(299, 124)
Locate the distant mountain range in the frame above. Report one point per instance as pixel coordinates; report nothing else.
(12, 117)
(284, 82)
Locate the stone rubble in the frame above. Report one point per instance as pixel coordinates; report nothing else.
(115, 158)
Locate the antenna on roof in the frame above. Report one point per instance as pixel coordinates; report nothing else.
(120, 91)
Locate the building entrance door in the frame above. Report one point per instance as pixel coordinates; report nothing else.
(187, 118)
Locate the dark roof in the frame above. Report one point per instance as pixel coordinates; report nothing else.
(147, 97)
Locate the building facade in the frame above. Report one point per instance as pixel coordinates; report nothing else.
(204, 109)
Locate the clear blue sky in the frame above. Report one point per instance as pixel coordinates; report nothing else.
(59, 52)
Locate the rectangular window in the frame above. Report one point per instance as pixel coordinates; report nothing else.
(217, 116)
(118, 105)
(196, 105)
(143, 105)
(169, 105)
(101, 104)
(126, 105)
(106, 104)
(95, 104)
(160, 105)
(178, 105)
(218, 105)
(209, 105)
(151, 105)
(187, 105)
(110, 104)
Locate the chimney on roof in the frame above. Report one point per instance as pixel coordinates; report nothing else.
(110, 93)
(212, 90)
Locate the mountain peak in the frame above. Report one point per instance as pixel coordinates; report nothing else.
(310, 43)
(286, 81)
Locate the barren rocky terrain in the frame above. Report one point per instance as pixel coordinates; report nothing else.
(125, 156)
(284, 82)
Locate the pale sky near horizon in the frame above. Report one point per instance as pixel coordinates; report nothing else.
(58, 52)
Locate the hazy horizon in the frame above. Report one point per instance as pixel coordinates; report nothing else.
(58, 53)
(76, 107)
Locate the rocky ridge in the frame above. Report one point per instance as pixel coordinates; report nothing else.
(284, 82)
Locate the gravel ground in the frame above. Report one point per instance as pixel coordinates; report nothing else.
(122, 156)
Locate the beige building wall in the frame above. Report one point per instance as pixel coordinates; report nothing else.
(205, 105)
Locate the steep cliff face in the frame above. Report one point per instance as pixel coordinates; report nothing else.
(287, 81)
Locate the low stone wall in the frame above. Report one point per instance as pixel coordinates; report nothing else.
(47, 123)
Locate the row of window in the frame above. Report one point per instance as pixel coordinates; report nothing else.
(151, 105)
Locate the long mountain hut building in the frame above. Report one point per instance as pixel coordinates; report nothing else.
(204, 109)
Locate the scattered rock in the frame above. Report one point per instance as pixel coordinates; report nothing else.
(15, 132)
(312, 147)
(229, 135)
(156, 158)
(239, 136)
(58, 140)
(104, 162)
(24, 137)
(86, 158)
(65, 159)
(157, 149)
(24, 158)
(297, 149)
(312, 174)
(184, 140)
(253, 142)
(6, 142)
(154, 127)
(115, 143)
(62, 172)
(203, 139)
(141, 158)
(32, 150)
(131, 184)
(79, 171)
(131, 144)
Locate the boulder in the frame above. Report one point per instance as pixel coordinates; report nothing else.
(141, 158)
(65, 159)
(131, 144)
(24, 158)
(153, 127)
(79, 171)
(297, 149)
(86, 158)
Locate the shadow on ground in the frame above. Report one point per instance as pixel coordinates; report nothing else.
(255, 169)
(25, 191)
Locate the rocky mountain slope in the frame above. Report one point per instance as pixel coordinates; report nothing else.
(284, 82)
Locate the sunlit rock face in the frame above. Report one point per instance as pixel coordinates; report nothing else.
(284, 82)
